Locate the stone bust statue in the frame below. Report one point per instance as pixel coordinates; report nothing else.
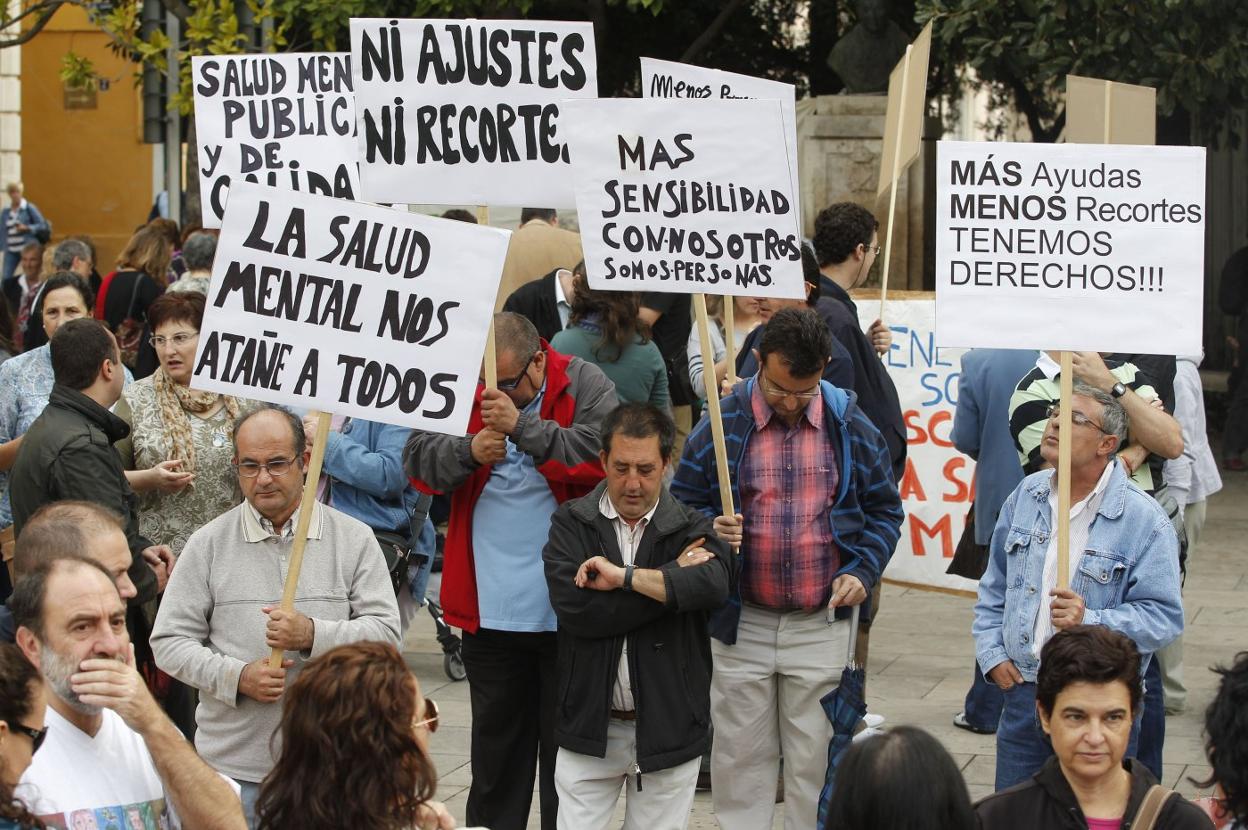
(867, 53)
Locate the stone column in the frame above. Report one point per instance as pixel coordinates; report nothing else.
(840, 139)
(11, 106)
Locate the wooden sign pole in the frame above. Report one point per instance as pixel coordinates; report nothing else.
(305, 521)
(491, 357)
(730, 340)
(896, 174)
(712, 405)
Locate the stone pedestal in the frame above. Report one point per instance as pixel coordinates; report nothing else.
(840, 139)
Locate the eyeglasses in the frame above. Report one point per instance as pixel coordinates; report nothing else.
(1077, 418)
(431, 722)
(250, 469)
(510, 384)
(875, 249)
(36, 736)
(774, 391)
(180, 339)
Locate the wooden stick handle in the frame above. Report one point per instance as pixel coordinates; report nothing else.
(491, 357)
(1064, 427)
(892, 190)
(730, 338)
(305, 521)
(712, 406)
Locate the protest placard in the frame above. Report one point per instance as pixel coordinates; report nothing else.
(685, 196)
(468, 111)
(668, 79)
(936, 488)
(349, 308)
(285, 120)
(1070, 247)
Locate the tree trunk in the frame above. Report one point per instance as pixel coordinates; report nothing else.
(192, 206)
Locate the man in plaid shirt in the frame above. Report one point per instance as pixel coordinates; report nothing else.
(819, 519)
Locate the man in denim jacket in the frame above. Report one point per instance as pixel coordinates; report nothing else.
(1124, 573)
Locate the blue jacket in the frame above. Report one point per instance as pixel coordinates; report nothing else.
(866, 516)
(1128, 575)
(29, 216)
(981, 427)
(365, 461)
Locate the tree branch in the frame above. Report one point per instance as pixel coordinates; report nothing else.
(712, 31)
(44, 16)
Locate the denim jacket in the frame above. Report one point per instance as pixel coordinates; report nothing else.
(1128, 575)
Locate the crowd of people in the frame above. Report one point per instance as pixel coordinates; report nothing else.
(625, 629)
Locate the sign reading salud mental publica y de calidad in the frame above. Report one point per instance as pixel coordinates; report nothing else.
(468, 111)
(1070, 247)
(285, 120)
(350, 308)
(685, 196)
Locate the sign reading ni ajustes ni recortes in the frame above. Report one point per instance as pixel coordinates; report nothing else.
(468, 112)
(349, 308)
(287, 121)
(1074, 247)
(685, 196)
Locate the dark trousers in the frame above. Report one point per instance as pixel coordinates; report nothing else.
(982, 707)
(512, 680)
(1153, 722)
(1235, 432)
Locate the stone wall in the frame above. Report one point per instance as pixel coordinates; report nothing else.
(11, 107)
(839, 142)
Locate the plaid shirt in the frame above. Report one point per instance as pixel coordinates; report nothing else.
(788, 482)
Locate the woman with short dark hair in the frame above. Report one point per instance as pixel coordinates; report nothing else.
(1226, 744)
(181, 440)
(22, 709)
(355, 747)
(1088, 693)
(902, 779)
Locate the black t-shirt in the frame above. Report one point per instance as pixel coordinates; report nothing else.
(671, 334)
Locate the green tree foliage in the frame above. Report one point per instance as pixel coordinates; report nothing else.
(1192, 51)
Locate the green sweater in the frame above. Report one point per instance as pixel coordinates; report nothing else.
(639, 375)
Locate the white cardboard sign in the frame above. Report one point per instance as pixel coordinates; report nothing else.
(349, 308)
(468, 111)
(1074, 247)
(685, 196)
(668, 79)
(285, 120)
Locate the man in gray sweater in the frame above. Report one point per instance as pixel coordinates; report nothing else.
(220, 615)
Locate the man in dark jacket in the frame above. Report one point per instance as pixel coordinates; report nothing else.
(68, 452)
(633, 576)
(546, 303)
(532, 445)
(819, 519)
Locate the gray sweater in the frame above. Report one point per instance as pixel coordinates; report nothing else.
(210, 624)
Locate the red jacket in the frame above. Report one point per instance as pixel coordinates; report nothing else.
(568, 477)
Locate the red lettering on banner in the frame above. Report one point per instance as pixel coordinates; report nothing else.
(938, 418)
(910, 484)
(918, 436)
(962, 491)
(942, 528)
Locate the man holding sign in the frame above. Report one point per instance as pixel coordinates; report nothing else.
(532, 444)
(820, 517)
(1125, 571)
(220, 618)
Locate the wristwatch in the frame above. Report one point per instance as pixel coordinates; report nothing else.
(628, 577)
(1118, 390)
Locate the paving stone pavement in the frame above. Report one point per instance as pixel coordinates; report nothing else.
(920, 666)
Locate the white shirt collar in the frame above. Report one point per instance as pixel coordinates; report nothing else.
(607, 508)
(1048, 365)
(1090, 498)
(560, 297)
(256, 528)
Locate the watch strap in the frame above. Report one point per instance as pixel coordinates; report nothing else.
(1118, 390)
(628, 577)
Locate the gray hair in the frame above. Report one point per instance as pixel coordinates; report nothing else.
(69, 250)
(1113, 416)
(292, 420)
(514, 333)
(199, 250)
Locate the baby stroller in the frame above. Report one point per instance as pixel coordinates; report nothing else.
(400, 555)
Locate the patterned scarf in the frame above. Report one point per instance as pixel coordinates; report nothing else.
(175, 400)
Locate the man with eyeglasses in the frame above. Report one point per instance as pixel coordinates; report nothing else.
(532, 444)
(108, 745)
(221, 617)
(819, 519)
(1124, 571)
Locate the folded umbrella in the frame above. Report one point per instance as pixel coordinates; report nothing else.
(845, 705)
